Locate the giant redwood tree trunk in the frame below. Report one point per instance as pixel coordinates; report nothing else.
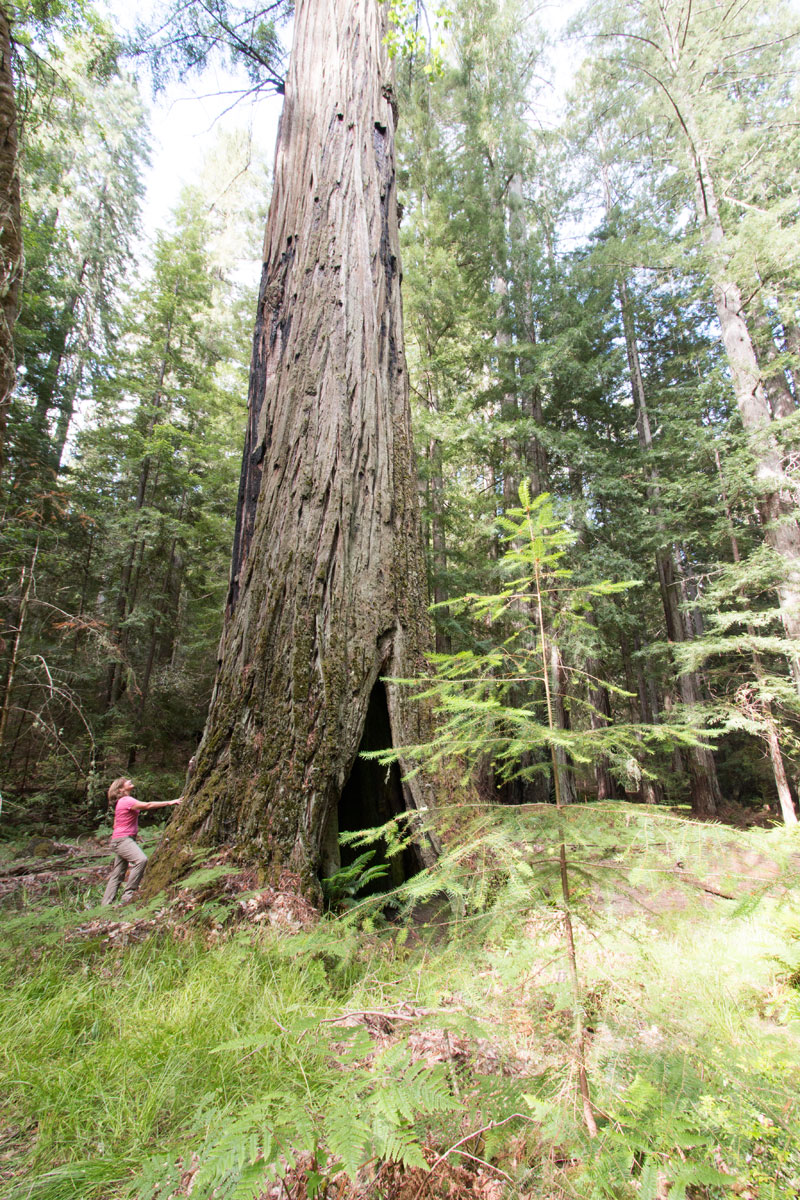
(327, 592)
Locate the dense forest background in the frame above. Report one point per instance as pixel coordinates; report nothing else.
(601, 298)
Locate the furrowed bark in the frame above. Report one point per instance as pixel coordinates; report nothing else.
(327, 583)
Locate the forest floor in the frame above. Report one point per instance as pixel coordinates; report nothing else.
(227, 1040)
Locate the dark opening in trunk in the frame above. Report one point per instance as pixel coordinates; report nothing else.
(372, 796)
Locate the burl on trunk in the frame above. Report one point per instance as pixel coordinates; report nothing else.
(327, 586)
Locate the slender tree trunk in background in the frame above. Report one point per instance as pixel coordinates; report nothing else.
(46, 398)
(652, 790)
(10, 227)
(532, 456)
(781, 401)
(85, 571)
(776, 501)
(791, 344)
(705, 792)
(645, 685)
(689, 587)
(327, 586)
(156, 623)
(125, 606)
(514, 468)
(13, 742)
(25, 585)
(600, 718)
(434, 496)
(776, 758)
(781, 782)
(561, 720)
(130, 571)
(66, 411)
(438, 537)
(537, 466)
(509, 407)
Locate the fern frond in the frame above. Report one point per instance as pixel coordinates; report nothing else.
(398, 1144)
(347, 1137)
(246, 1139)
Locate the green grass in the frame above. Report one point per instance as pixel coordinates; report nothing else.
(119, 1061)
(115, 1056)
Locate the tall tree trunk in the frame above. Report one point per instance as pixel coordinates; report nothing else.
(327, 584)
(438, 538)
(791, 345)
(704, 787)
(433, 495)
(776, 504)
(705, 792)
(530, 458)
(600, 718)
(558, 689)
(771, 732)
(11, 238)
(10, 226)
(130, 572)
(156, 626)
(46, 398)
(652, 790)
(781, 401)
(25, 586)
(509, 407)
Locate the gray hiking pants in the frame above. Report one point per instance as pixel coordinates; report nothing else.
(129, 854)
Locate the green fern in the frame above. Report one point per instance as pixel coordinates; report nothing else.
(348, 1138)
(419, 1089)
(398, 1143)
(204, 876)
(347, 882)
(248, 1142)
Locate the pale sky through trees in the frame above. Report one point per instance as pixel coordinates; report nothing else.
(186, 117)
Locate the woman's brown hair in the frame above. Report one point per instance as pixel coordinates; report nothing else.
(115, 791)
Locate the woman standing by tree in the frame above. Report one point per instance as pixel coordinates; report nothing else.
(123, 838)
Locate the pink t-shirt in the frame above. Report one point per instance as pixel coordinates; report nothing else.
(126, 818)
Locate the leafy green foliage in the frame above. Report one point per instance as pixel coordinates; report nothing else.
(498, 704)
(405, 38)
(349, 880)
